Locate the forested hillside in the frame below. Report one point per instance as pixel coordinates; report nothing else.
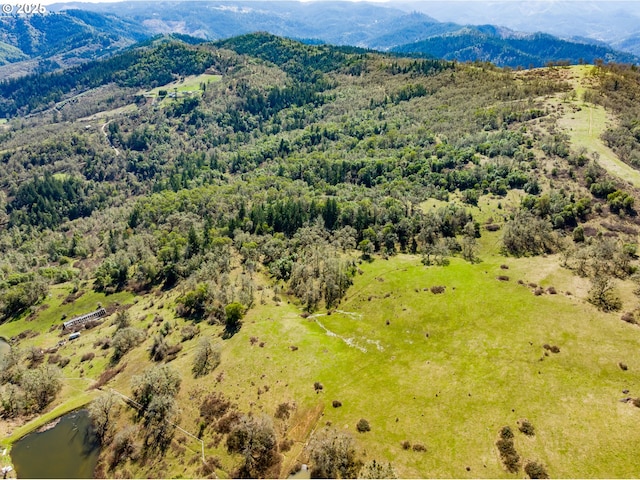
(72, 33)
(510, 49)
(326, 256)
(43, 43)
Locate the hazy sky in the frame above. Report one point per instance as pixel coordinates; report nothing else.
(48, 2)
(390, 2)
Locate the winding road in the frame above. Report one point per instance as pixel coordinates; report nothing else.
(106, 135)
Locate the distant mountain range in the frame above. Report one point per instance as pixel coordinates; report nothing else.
(615, 22)
(76, 32)
(507, 48)
(38, 43)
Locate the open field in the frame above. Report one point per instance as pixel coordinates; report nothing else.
(447, 371)
(108, 113)
(585, 123)
(190, 83)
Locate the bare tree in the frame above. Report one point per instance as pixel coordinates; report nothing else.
(154, 381)
(254, 438)
(159, 422)
(103, 411)
(602, 293)
(374, 469)
(333, 455)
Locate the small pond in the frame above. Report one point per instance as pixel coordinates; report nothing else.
(67, 450)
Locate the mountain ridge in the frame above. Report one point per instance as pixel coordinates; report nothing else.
(95, 30)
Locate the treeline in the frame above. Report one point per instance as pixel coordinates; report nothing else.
(46, 202)
(304, 63)
(421, 67)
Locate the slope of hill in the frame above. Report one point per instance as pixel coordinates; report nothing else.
(610, 21)
(60, 40)
(315, 247)
(506, 48)
(358, 24)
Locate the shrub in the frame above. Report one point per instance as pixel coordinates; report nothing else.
(551, 291)
(172, 352)
(189, 331)
(87, 357)
(210, 465)
(283, 411)
(535, 470)
(233, 317)
(538, 291)
(123, 446)
(336, 403)
(214, 406)
(508, 454)
(506, 433)
(406, 445)
(504, 267)
(511, 462)
(555, 349)
(35, 356)
(64, 362)
(286, 444)
(108, 375)
(629, 318)
(363, 426)
(54, 358)
(436, 289)
(503, 278)
(623, 366)
(124, 340)
(317, 386)
(159, 349)
(227, 422)
(603, 294)
(636, 402)
(418, 447)
(206, 358)
(374, 469)
(492, 227)
(526, 427)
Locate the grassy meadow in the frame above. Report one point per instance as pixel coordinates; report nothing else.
(443, 370)
(190, 83)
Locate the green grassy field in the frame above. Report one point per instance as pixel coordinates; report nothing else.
(447, 371)
(190, 83)
(586, 125)
(478, 369)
